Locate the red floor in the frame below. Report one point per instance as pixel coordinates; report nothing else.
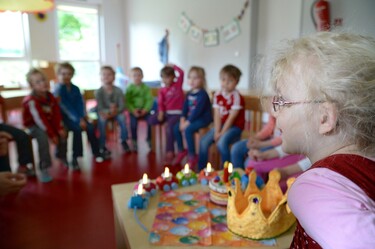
(75, 210)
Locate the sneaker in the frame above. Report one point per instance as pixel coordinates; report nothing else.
(168, 158)
(75, 164)
(23, 169)
(105, 153)
(99, 159)
(193, 162)
(125, 146)
(45, 176)
(135, 146)
(180, 156)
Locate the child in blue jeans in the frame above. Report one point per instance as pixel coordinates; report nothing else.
(170, 103)
(196, 113)
(110, 106)
(74, 115)
(229, 117)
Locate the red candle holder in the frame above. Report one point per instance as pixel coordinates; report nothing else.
(206, 174)
(167, 181)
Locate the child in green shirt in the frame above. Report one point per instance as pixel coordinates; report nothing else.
(139, 102)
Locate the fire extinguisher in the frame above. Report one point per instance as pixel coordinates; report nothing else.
(320, 15)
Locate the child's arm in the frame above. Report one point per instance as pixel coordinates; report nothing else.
(217, 121)
(64, 109)
(99, 96)
(120, 100)
(230, 120)
(128, 99)
(180, 77)
(57, 119)
(203, 102)
(267, 130)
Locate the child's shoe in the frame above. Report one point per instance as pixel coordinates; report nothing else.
(75, 165)
(135, 146)
(169, 158)
(125, 146)
(180, 156)
(23, 169)
(99, 158)
(193, 161)
(105, 153)
(45, 176)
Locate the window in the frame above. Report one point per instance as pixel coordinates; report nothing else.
(13, 53)
(79, 43)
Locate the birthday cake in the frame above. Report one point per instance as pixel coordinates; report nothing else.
(218, 191)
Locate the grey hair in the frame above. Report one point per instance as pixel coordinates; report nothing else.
(338, 68)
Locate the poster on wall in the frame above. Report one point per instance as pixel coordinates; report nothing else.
(195, 34)
(184, 23)
(211, 38)
(231, 30)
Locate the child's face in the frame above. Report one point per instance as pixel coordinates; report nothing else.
(195, 81)
(65, 75)
(107, 77)
(38, 83)
(296, 122)
(228, 83)
(167, 80)
(136, 77)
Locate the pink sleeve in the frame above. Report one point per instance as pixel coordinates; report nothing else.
(268, 129)
(334, 211)
(180, 78)
(161, 106)
(276, 141)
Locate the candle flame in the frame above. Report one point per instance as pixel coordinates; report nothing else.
(166, 172)
(209, 167)
(144, 179)
(230, 168)
(186, 169)
(140, 189)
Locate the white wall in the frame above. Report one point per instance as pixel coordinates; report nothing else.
(358, 16)
(138, 26)
(147, 21)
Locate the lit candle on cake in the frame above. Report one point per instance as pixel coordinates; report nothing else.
(186, 176)
(167, 181)
(226, 172)
(139, 199)
(207, 174)
(233, 174)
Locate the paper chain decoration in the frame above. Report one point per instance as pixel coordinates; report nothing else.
(211, 37)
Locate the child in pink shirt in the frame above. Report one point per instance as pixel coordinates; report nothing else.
(170, 103)
(324, 107)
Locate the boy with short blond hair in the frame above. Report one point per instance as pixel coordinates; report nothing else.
(42, 117)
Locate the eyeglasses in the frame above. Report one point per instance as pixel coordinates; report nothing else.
(278, 102)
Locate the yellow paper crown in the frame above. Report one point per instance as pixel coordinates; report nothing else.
(259, 214)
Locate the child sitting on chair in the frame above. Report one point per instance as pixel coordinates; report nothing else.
(74, 115)
(170, 103)
(229, 117)
(197, 112)
(42, 117)
(110, 106)
(139, 102)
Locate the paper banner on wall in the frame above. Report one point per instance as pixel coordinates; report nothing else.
(195, 34)
(184, 23)
(231, 30)
(211, 38)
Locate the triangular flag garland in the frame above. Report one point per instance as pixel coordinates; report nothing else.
(211, 37)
